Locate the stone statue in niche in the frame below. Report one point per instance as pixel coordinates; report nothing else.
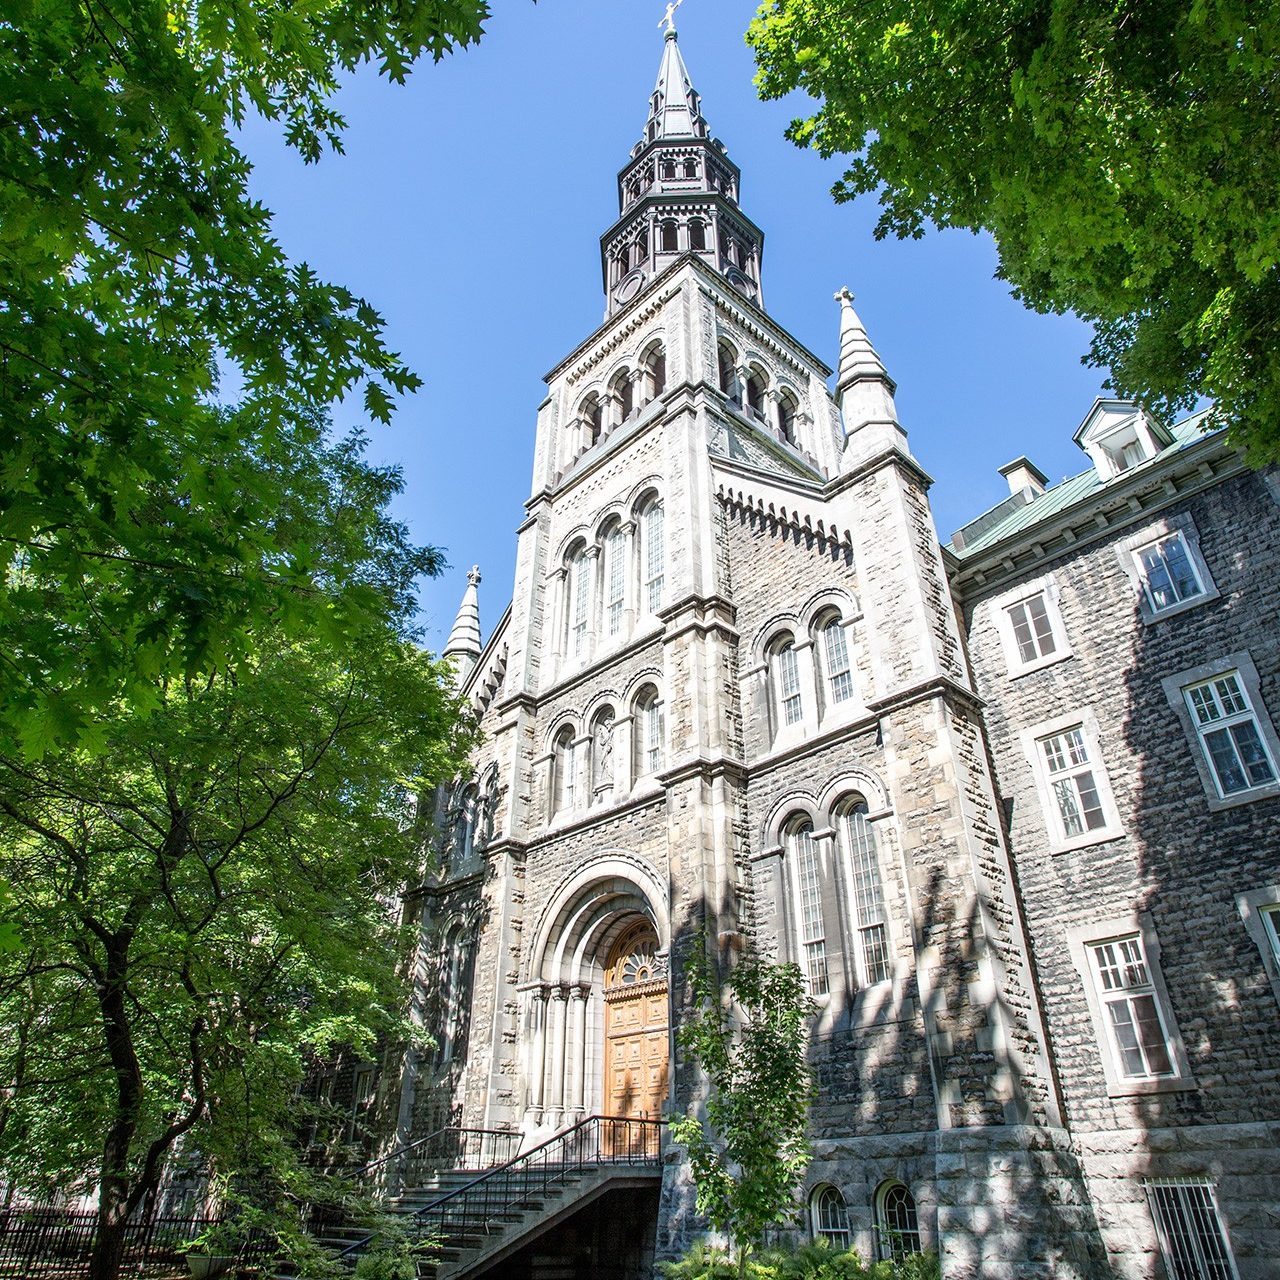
(602, 755)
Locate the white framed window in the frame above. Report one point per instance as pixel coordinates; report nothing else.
(1271, 926)
(1118, 436)
(870, 919)
(1189, 1226)
(1234, 743)
(1029, 623)
(835, 659)
(579, 602)
(1166, 567)
(898, 1222)
(1137, 1035)
(653, 539)
(1075, 791)
(1128, 997)
(615, 570)
(811, 931)
(828, 1217)
(564, 763)
(784, 669)
(1229, 734)
(648, 732)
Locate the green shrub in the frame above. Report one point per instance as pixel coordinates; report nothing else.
(813, 1261)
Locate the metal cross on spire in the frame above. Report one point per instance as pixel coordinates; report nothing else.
(668, 20)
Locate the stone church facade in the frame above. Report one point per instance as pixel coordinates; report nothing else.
(1010, 803)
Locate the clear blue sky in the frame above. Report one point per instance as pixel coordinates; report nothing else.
(468, 210)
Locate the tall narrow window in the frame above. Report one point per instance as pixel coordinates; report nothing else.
(670, 237)
(624, 395)
(591, 416)
(655, 363)
(809, 924)
(1077, 803)
(787, 410)
(457, 965)
(690, 169)
(829, 1217)
(756, 384)
(835, 653)
(579, 602)
(726, 362)
(648, 731)
(698, 236)
(1228, 731)
(653, 535)
(785, 669)
(565, 765)
(1168, 576)
(867, 888)
(898, 1221)
(615, 569)
(1131, 1010)
(1189, 1227)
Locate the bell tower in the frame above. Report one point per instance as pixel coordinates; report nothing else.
(678, 194)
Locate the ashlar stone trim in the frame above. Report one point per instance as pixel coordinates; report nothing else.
(1079, 939)
(1087, 722)
(1243, 665)
(1251, 906)
(1179, 522)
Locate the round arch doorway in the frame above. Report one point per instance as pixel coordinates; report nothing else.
(636, 1025)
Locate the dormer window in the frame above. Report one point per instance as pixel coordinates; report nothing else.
(1118, 436)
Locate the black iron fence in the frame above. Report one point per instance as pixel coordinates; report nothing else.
(55, 1244)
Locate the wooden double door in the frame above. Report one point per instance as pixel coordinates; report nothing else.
(636, 1027)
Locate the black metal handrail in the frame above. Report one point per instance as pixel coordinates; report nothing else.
(486, 1201)
(470, 1143)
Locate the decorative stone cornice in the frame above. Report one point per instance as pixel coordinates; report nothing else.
(782, 517)
(618, 338)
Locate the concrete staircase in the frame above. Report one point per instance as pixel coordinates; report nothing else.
(477, 1217)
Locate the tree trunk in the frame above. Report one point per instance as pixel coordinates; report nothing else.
(113, 1219)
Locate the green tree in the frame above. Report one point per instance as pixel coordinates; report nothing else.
(749, 1154)
(134, 265)
(1125, 155)
(206, 897)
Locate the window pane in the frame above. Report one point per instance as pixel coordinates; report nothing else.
(1132, 1063)
(654, 554)
(837, 654)
(1151, 1035)
(1068, 808)
(1271, 923)
(1226, 764)
(1190, 1230)
(1252, 753)
(812, 931)
(615, 553)
(875, 954)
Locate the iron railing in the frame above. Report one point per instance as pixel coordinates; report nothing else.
(453, 1147)
(486, 1203)
(57, 1242)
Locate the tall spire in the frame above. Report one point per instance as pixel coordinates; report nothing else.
(864, 390)
(464, 647)
(678, 196)
(675, 110)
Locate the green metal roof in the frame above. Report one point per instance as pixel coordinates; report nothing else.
(1062, 496)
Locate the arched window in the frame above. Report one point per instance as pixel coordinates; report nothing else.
(828, 1218)
(668, 170)
(579, 600)
(602, 754)
(727, 248)
(690, 168)
(806, 880)
(697, 235)
(858, 843)
(670, 236)
(727, 359)
(615, 579)
(898, 1222)
(756, 385)
(647, 731)
(564, 764)
(653, 554)
(784, 670)
(835, 659)
(787, 410)
(591, 415)
(639, 250)
(457, 966)
(655, 364)
(624, 395)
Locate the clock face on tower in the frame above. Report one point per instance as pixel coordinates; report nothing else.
(629, 286)
(743, 283)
